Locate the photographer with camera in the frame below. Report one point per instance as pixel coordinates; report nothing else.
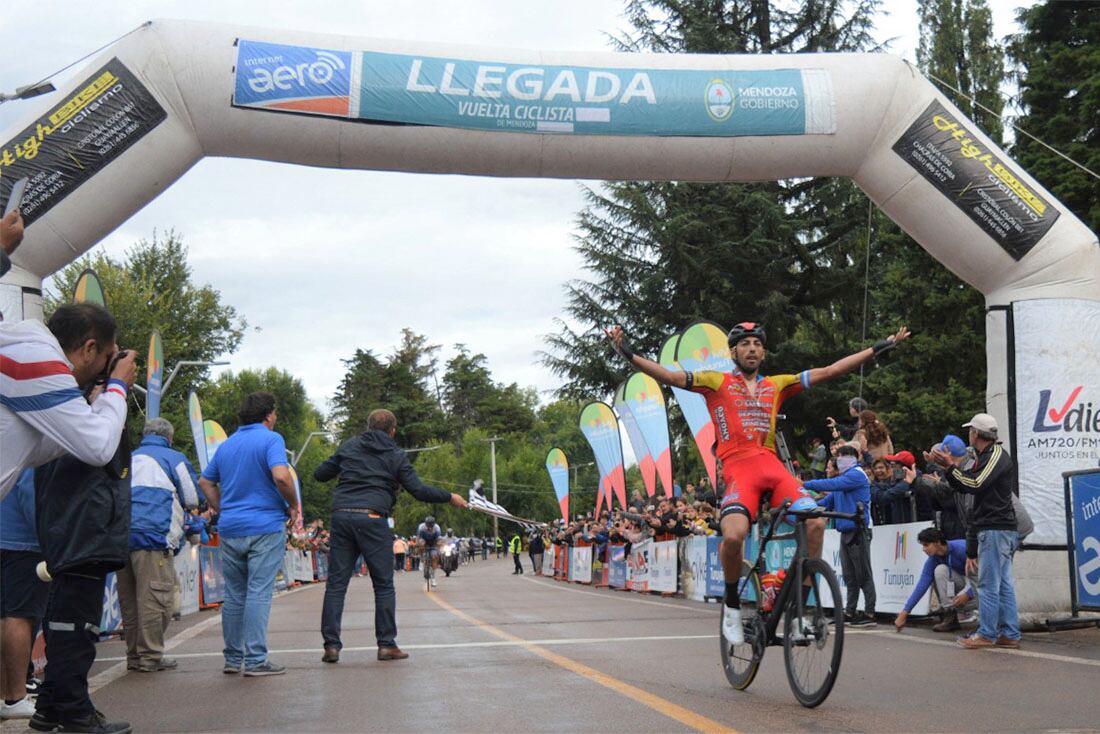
(45, 370)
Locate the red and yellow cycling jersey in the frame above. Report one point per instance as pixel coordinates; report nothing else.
(744, 422)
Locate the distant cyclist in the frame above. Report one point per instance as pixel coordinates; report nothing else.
(743, 406)
(428, 536)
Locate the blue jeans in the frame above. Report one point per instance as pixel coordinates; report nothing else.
(249, 566)
(996, 591)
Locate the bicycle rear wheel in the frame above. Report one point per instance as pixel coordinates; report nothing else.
(742, 661)
(811, 645)
(428, 573)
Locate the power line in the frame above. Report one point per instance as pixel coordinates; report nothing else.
(1014, 126)
(93, 53)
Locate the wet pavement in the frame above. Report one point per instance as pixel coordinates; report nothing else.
(494, 652)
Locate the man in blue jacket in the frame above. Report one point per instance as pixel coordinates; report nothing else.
(946, 566)
(162, 489)
(845, 491)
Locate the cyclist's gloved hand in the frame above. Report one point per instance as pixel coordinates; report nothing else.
(890, 342)
(620, 343)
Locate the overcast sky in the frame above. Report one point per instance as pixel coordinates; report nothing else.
(323, 262)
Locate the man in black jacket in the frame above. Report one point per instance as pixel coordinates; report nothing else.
(83, 518)
(370, 467)
(991, 537)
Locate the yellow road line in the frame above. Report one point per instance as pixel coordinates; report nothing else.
(658, 704)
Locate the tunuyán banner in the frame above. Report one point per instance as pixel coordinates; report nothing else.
(154, 376)
(646, 402)
(89, 289)
(214, 435)
(557, 466)
(600, 426)
(703, 346)
(487, 94)
(198, 434)
(646, 465)
(694, 409)
(1057, 399)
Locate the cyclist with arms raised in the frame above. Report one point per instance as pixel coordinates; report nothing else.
(743, 405)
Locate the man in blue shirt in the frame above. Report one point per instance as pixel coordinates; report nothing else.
(22, 595)
(847, 489)
(946, 567)
(162, 489)
(249, 482)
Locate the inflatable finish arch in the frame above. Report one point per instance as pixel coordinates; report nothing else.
(155, 103)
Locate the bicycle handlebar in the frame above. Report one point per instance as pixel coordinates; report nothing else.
(785, 509)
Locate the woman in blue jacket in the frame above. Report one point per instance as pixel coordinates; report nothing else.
(844, 491)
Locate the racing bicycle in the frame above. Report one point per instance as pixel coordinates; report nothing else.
(813, 634)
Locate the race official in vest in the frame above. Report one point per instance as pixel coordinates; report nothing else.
(162, 489)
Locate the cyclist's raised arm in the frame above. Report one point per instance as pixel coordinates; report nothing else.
(843, 366)
(673, 378)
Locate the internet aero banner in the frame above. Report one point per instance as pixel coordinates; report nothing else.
(483, 94)
(106, 114)
(941, 147)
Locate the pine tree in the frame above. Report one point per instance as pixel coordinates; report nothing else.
(1057, 59)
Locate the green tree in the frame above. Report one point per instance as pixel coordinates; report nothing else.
(472, 398)
(957, 47)
(152, 288)
(1057, 57)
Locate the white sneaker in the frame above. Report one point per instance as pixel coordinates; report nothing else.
(21, 709)
(434, 583)
(731, 626)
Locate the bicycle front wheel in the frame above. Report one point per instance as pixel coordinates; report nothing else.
(742, 661)
(814, 640)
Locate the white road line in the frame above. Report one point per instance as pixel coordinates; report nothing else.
(891, 635)
(113, 673)
(456, 645)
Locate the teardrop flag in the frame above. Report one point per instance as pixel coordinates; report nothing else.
(702, 346)
(646, 402)
(558, 468)
(694, 409)
(89, 289)
(637, 442)
(299, 527)
(600, 426)
(154, 376)
(214, 435)
(198, 434)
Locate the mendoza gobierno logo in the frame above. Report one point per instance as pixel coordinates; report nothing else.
(1067, 420)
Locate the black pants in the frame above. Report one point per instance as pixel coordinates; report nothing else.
(73, 614)
(352, 534)
(519, 566)
(855, 564)
(399, 562)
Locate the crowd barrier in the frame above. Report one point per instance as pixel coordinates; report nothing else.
(690, 566)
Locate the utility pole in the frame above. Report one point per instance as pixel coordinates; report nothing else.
(493, 479)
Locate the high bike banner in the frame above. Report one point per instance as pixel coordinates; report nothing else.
(600, 427)
(580, 564)
(557, 466)
(642, 454)
(1057, 399)
(662, 567)
(646, 401)
(154, 376)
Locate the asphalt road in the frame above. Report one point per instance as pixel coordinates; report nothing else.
(493, 652)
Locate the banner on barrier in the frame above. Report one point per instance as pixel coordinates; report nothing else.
(1057, 399)
(716, 579)
(112, 612)
(693, 565)
(616, 566)
(1083, 509)
(580, 567)
(187, 578)
(320, 566)
(210, 566)
(548, 561)
(662, 567)
(638, 564)
(896, 562)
